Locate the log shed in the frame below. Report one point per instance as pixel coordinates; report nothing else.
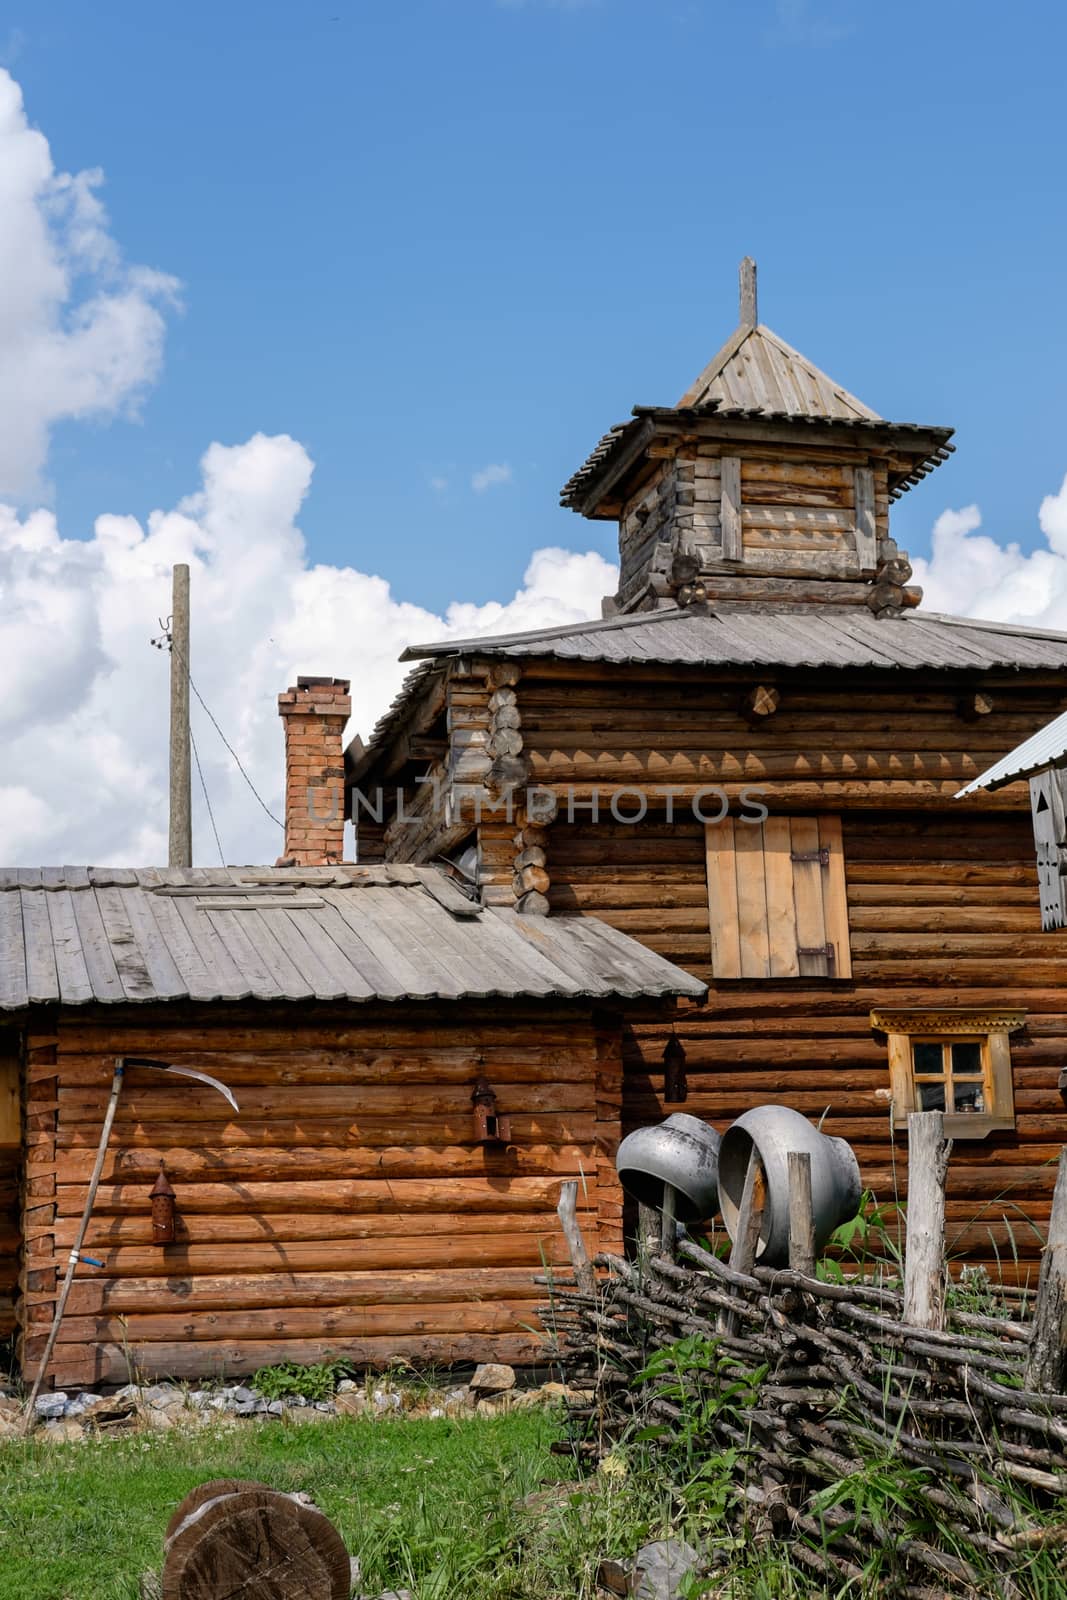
(354, 1207)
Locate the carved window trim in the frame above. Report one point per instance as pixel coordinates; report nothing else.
(990, 1028)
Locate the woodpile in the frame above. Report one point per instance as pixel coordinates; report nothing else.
(813, 1382)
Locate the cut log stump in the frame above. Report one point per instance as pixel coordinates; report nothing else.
(248, 1542)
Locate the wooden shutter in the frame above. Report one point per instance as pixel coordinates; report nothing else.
(776, 895)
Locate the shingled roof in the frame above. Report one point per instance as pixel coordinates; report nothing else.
(783, 636)
(758, 373)
(77, 935)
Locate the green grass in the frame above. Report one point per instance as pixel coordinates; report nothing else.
(425, 1504)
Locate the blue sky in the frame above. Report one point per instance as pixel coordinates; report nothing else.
(426, 238)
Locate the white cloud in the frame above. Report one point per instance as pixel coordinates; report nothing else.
(439, 485)
(488, 477)
(81, 333)
(971, 574)
(84, 712)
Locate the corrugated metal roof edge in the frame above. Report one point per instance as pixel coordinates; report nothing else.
(1045, 748)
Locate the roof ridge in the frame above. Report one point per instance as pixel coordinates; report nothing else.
(1012, 629)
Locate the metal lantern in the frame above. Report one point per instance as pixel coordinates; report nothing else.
(490, 1125)
(675, 1083)
(163, 1218)
(774, 1131)
(682, 1151)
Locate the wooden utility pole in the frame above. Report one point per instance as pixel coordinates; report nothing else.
(180, 853)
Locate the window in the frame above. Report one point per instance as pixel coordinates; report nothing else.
(958, 1062)
(776, 896)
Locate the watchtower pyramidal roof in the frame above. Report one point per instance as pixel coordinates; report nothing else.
(757, 371)
(768, 481)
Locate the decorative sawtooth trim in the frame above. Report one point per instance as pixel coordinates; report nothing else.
(978, 1020)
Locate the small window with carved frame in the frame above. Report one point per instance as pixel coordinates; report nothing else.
(956, 1062)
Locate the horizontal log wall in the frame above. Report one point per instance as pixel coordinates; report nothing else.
(943, 911)
(346, 1209)
(10, 1177)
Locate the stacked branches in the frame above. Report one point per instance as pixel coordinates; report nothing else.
(834, 1384)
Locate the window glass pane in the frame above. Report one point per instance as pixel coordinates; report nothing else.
(928, 1058)
(969, 1095)
(967, 1059)
(931, 1096)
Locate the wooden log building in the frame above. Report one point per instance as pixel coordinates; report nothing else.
(724, 817)
(352, 1206)
(751, 765)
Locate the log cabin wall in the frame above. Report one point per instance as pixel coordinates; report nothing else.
(736, 509)
(345, 1211)
(10, 1177)
(943, 906)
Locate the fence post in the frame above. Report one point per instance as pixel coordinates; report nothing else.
(1046, 1368)
(801, 1215)
(924, 1260)
(567, 1211)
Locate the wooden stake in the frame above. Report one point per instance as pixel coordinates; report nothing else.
(924, 1262)
(180, 853)
(747, 277)
(668, 1212)
(801, 1214)
(567, 1211)
(746, 1239)
(1046, 1368)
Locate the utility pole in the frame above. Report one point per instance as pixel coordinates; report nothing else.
(181, 822)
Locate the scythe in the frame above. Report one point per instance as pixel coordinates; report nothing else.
(121, 1063)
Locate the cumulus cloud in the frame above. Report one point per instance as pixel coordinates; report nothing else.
(489, 477)
(81, 332)
(971, 574)
(83, 715)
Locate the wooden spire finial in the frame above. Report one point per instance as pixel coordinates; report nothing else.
(747, 276)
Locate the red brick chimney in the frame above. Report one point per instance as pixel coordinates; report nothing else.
(314, 714)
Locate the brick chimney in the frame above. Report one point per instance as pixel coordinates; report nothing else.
(314, 714)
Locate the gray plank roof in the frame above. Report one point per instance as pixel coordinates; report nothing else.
(1046, 748)
(787, 637)
(756, 370)
(76, 935)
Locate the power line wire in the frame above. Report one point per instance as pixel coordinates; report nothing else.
(207, 797)
(276, 820)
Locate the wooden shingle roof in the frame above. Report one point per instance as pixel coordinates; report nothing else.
(80, 935)
(757, 372)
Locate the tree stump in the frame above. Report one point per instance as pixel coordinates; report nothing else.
(230, 1540)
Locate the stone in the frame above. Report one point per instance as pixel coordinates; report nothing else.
(492, 1378)
(348, 1386)
(129, 1391)
(243, 1396)
(110, 1410)
(387, 1399)
(458, 1396)
(664, 1570)
(64, 1430)
(51, 1406)
(276, 1408)
(245, 1408)
(161, 1395)
(353, 1403)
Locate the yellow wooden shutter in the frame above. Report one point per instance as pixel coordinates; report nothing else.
(776, 895)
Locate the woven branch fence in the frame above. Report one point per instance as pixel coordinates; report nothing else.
(834, 1380)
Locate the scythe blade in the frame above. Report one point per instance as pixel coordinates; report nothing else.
(184, 1072)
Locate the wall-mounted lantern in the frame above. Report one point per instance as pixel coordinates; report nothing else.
(490, 1125)
(675, 1082)
(163, 1217)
